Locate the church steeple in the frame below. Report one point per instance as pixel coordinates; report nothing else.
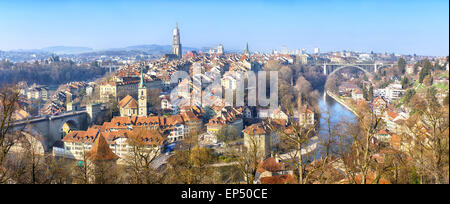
(142, 94)
(142, 83)
(247, 52)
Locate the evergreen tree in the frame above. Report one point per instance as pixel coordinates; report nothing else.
(405, 82)
(416, 68)
(408, 95)
(401, 63)
(370, 93)
(426, 70)
(365, 95)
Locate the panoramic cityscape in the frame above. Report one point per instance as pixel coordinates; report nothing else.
(239, 98)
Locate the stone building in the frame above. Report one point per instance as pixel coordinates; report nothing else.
(128, 106)
(261, 136)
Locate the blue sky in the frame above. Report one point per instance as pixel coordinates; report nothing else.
(401, 26)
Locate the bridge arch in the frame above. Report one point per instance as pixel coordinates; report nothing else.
(349, 66)
(366, 72)
(51, 127)
(68, 125)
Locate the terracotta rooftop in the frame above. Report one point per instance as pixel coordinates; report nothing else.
(396, 141)
(255, 129)
(384, 132)
(391, 114)
(100, 150)
(173, 120)
(189, 116)
(370, 178)
(128, 102)
(215, 122)
(120, 120)
(279, 179)
(81, 136)
(269, 164)
(146, 136)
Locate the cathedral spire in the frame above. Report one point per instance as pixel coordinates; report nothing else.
(176, 46)
(247, 52)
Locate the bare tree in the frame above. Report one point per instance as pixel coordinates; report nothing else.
(248, 158)
(142, 154)
(9, 97)
(82, 170)
(106, 172)
(58, 170)
(298, 139)
(428, 135)
(190, 163)
(33, 158)
(356, 147)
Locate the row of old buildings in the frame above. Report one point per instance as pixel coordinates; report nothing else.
(205, 116)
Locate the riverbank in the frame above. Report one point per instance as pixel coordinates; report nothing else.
(341, 101)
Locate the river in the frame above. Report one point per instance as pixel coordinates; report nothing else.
(338, 113)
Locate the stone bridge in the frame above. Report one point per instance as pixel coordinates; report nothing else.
(50, 128)
(329, 69)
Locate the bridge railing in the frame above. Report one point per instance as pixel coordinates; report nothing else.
(46, 117)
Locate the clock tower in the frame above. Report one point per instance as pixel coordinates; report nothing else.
(142, 94)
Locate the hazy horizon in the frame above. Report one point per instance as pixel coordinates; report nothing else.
(403, 27)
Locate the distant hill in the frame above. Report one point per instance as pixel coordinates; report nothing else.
(153, 48)
(136, 49)
(67, 50)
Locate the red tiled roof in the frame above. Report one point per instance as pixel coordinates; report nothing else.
(255, 129)
(396, 141)
(123, 120)
(384, 132)
(269, 164)
(150, 120)
(189, 116)
(279, 179)
(100, 150)
(146, 136)
(128, 102)
(81, 136)
(370, 178)
(392, 114)
(215, 122)
(173, 120)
